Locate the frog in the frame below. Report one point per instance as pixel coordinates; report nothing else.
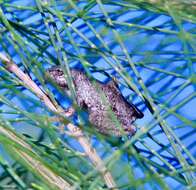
(109, 111)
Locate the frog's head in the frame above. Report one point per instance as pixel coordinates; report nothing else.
(57, 75)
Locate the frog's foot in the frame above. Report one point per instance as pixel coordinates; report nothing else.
(131, 130)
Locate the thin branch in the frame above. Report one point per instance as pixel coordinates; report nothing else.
(74, 130)
(45, 172)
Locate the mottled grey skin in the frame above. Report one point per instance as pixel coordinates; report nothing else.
(90, 96)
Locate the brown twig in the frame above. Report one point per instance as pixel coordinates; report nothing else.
(75, 131)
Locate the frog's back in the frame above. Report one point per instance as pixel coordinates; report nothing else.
(89, 96)
(85, 90)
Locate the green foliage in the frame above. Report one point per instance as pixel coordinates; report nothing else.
(98, 35)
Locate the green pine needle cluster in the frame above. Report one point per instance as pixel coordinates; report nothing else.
(37, 151)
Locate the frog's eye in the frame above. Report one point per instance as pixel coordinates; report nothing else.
(55, 71)
(58, 71)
